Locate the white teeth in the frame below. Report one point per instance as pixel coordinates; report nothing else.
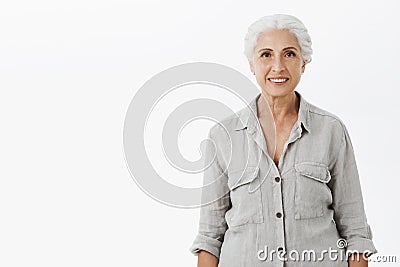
(279, 80)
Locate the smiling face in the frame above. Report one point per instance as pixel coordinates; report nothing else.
(277, 62)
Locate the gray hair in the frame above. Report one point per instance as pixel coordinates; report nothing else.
(278, 21)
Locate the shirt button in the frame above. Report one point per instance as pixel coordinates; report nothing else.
(277, 179)
(278, 214)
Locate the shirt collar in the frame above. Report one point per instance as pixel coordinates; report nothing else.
(248, 116)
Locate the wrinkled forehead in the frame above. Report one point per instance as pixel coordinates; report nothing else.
(276, 39)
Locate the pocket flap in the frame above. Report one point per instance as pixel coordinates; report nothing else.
(241, 177)
(316, 171)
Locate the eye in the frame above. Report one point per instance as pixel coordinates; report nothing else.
(290, 54)
(266, 54)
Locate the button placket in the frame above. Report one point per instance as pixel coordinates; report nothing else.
(277, 192)
(278, 207)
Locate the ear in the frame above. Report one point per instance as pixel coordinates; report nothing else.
(251, 67)
(303, 67)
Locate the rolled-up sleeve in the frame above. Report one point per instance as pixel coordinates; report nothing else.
(349, 213)
(215, 203)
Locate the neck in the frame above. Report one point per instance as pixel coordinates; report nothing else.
(280, 107)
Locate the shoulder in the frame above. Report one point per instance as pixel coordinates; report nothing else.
(229, 124)
(320, 117)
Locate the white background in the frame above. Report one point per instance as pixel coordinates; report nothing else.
(70, 69)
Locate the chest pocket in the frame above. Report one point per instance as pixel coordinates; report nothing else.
(312, 194)
(245, 195)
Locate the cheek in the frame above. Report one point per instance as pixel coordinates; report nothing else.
(263, 68)
(296, 69)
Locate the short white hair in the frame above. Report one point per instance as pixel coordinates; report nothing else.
(278, 21)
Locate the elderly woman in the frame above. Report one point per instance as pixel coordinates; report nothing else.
(290, 198)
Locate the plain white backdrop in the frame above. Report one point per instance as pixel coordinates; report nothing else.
(69, 69)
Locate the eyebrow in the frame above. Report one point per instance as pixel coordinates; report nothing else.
(284, 49)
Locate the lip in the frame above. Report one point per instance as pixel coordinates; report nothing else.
(279, 77)
(278, 83)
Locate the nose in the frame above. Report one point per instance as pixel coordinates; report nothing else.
(277, 65)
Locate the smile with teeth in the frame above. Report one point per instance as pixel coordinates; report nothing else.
(278, 80)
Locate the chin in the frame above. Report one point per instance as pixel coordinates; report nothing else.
(276, 91)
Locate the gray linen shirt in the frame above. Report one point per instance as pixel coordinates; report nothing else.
(311, 201)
